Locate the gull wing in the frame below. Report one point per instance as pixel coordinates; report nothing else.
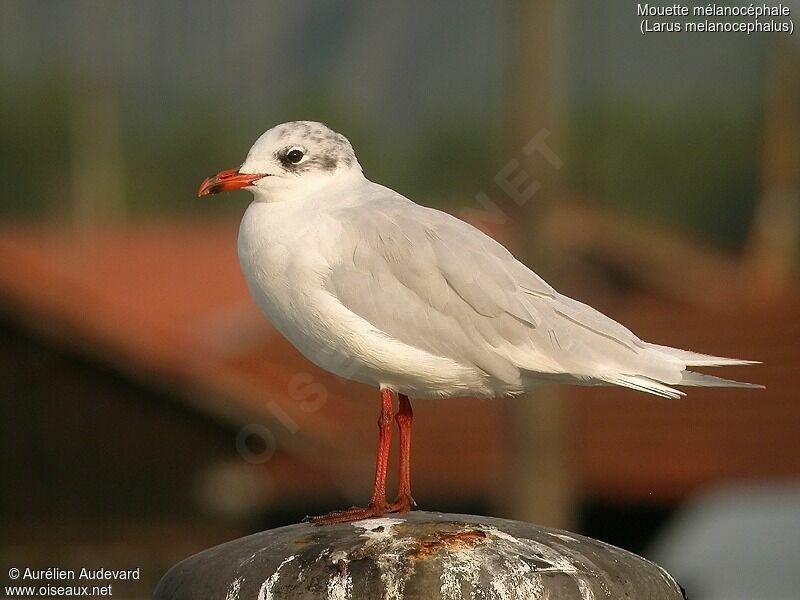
(436, 283)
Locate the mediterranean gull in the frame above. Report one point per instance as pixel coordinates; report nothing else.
(375, 288)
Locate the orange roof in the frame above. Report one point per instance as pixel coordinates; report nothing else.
(637, 446)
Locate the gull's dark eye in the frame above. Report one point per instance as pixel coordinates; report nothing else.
(294, 156)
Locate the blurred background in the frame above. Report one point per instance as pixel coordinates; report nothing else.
(148, 410)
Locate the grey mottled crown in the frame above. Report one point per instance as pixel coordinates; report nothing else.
(327, 150)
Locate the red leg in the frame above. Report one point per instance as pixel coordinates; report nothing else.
(377, 505)
(404, 417)
(384, 446)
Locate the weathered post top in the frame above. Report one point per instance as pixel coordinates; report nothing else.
(413, 556)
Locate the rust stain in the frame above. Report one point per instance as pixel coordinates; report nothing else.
(301, 541)
(450, 540)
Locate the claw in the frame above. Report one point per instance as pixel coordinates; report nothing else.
(359, 514)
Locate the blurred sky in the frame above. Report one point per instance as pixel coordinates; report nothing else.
(148, 97)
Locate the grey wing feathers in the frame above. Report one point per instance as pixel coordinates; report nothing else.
(437, 283)
(446, 287)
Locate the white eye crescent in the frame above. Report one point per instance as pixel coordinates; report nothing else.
(295, 155)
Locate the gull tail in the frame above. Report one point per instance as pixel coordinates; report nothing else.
(685, 358)
(642, 383)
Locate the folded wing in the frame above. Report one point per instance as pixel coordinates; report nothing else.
(436, 283)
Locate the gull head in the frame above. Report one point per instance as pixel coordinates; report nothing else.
(290, 160)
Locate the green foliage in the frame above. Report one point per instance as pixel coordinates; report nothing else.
(697, 168)
(34, 146)
(167, 162)
(168, 152)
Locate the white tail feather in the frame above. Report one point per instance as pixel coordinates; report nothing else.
(703, 380)
(695, 359)
(645, 384)
(657, 388)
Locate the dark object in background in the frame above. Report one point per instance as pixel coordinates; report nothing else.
(625, 524)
